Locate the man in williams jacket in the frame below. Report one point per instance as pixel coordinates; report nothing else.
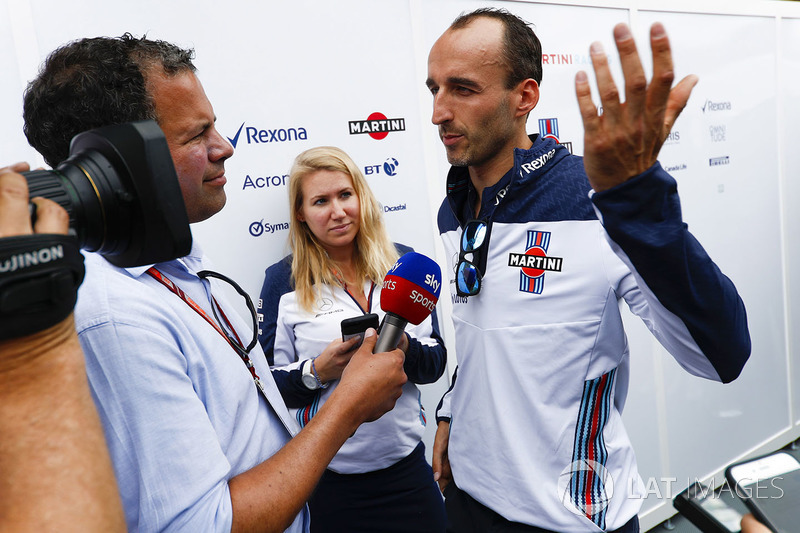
(543, 246)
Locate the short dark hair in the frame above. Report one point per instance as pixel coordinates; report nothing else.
(522, 51)
(94, 82)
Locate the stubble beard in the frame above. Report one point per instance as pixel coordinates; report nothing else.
(458, 160)
(494, 135)
(487, 147)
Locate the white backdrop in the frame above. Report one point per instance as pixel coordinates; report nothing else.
(790, 132)
(286, 76)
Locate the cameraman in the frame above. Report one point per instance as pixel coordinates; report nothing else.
(55, 471)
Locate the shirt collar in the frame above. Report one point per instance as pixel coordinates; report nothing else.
(191, 262)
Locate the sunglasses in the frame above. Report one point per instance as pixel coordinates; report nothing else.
(468, 274)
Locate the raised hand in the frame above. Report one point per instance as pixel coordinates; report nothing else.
(625, 139)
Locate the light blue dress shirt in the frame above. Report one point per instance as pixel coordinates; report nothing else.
(180, 410)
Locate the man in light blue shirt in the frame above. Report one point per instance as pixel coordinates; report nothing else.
(198, 441)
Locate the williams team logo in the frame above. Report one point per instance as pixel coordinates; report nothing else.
(377, 126)
(534, 263)
(548, 129)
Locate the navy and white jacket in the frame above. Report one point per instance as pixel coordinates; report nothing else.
(291, 335)
(535, 406)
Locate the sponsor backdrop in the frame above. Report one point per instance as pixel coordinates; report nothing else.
(287, 76)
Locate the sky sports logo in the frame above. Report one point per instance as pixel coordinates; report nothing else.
(253, 135)
(377, 126)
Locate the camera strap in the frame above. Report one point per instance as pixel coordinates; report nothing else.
(177, 291)
(39, 279)
(240, 350)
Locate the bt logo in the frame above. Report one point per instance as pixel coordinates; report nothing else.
(389, 167)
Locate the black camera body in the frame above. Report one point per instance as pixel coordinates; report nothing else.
(122, 194)
(124, 201)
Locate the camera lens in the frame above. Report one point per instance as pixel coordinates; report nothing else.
(85, 186)
(122, 194)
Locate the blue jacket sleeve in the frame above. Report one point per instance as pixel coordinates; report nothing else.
(424, 363)
(277, 282)
(643, 217)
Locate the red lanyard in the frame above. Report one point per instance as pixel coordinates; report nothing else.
(165, 281)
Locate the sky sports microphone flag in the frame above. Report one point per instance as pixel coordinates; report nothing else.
(410, 291)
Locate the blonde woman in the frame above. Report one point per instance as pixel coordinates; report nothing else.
(379, 480)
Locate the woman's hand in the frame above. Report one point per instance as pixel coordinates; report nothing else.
(334, 358)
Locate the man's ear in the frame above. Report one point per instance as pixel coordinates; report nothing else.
(528, 96)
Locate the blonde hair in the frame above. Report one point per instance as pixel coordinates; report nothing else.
(375, 253)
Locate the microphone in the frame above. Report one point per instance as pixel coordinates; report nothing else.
(409, 294)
